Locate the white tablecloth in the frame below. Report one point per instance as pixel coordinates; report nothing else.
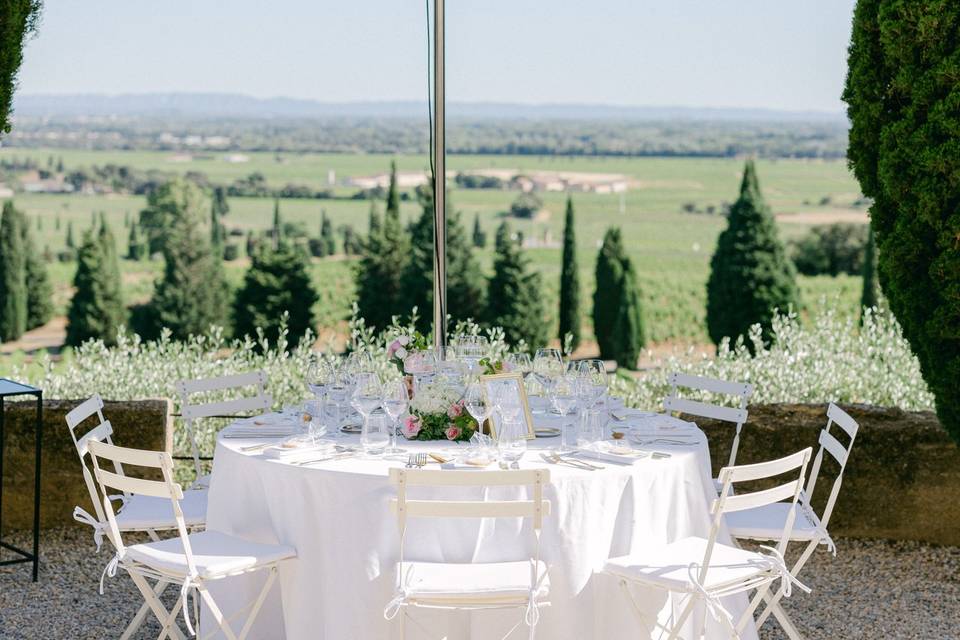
(336, 515)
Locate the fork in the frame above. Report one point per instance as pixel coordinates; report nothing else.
(420, 461)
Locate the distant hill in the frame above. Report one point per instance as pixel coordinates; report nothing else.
(212, 105)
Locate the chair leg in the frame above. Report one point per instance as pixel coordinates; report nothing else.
(403, 624)
(259, 602)
(171, 621)
(785, 622)
(155, 605)
(138, 619)
(687, 610)
(216, 612)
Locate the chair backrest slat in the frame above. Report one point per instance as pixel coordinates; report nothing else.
(843, 420)
(100, 433)
(471, 508)
(739, 502)
(225, 407)
(705, 410)
(713, 385)
(831, 444)
(84, 410)
(142, 486)
(766, 469)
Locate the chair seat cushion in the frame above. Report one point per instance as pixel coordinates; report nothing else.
(668, 566)
(766, 522)
(146, 512)
(215, 554)
(477, 582)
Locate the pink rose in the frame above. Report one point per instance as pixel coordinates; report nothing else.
(403, 340)
(411, 427)
(455, 411)
(453, 432)
(393, 348)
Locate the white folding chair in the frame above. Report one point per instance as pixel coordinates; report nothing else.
(764, 523)
(137, 512)
(190, 560)
(194, 411)
(522, 584)
(705, 570)
(737, 415)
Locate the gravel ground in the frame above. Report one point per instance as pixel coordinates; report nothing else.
(872, 589)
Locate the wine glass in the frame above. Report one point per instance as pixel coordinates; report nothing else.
(367, 396)
(395, 402)
(320, 374)
(449, 365)
(593, 378)
(477, 404)
(563, 395)
(547, 366)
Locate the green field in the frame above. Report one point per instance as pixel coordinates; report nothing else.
(671, 249)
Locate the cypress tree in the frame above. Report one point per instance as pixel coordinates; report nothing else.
(56, 225)
(751, 278)
(276, 231)
(327, 236)
(393, 193)
(628, 331)
(111, 298)
(515, 297)
(465, 284)
(192, 295)
(479, 237)
(570, 282)
(13, 275)
(218, 235)
(276, 282)
(607, 296)
(135, 248)
(71, 244)
(219, 204)
(871, 292)
(170, 202)
(39, 288)
(95, 311)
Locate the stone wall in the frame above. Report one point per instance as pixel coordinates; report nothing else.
(145, 424)
(902, 480)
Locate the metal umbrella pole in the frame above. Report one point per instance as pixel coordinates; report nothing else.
(439, 184)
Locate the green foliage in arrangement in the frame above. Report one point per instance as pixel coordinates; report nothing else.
(569, 283)
(379, 274)
(751, 278)
(192, 295)
(617, 311)
(277, 286)
(465, 282)
(871, 289)
(18, 20)
(96, 310)
(903, 92)
(13, 274)
(514, 294)
(831, 249)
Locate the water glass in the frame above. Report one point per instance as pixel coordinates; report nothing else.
(366, 398)
(375, 437)
(547, 366)
(563, 396)
(511, 440)
(477, 404)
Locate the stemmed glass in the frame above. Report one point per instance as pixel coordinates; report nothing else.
(520, 363)
(511, 442)
(366, 398)
(592, 375)
(547, 366)
(320, 375)
(471, 350)
(563, 395)
(477, 404)
(395, 402)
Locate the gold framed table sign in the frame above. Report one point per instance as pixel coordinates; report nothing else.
(511, 383)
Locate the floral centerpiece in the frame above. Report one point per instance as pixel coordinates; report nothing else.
(403, 346)
(437, 413)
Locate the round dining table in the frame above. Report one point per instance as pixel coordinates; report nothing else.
(336, 514)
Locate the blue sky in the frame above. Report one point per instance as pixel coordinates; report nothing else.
(780, 54)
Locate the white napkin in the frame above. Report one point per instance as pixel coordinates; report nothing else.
(613, 452)
(294, 448)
